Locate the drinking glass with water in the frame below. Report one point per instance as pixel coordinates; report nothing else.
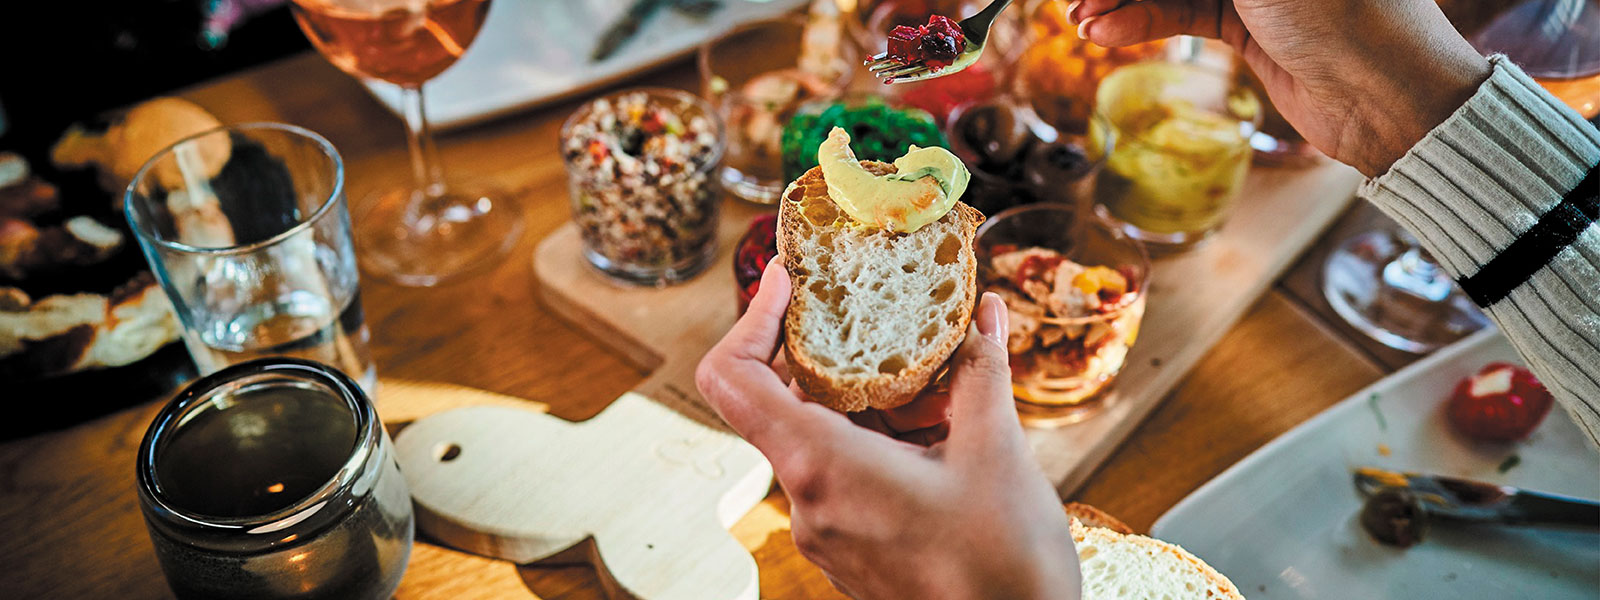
(246, 228)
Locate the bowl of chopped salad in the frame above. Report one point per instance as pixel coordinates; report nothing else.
(640, 170)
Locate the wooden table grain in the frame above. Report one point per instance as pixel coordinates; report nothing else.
(70, 526)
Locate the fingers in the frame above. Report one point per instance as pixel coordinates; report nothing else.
(930, 408)
(734, 375)
(981, 406)
(1127, 22)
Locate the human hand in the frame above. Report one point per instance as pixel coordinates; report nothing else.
(970, 516)
(1362, 80)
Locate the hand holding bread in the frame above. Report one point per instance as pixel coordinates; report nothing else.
(971, 516)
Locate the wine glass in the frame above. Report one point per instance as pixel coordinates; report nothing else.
(426, 232)
(1556, 42)
(1385, 285)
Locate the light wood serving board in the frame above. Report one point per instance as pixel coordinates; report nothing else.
(663, 507)
(1194, 299)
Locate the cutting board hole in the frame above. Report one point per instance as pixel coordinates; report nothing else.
(446, 452)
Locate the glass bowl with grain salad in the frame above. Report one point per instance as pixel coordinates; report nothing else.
(1074, 288)
(640, 167)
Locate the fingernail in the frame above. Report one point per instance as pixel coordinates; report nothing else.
(1083, 28)
(991, 318)
(1072, 11)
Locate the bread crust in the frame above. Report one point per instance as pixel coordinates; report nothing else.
(1222, 587)
(1094, 517)
(852, 393)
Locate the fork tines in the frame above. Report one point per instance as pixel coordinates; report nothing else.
(889, 69)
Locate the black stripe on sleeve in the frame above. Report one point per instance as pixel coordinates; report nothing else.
(1535, 248)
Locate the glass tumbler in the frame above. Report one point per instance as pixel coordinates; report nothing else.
(245, 227)
(757, 75)
(274, 479)
(644, 195)
(1182, 150)
(1068, 339)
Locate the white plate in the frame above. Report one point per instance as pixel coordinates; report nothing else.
(1282, 522)
(535, 51)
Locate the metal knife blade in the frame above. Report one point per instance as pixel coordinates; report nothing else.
(1468, 500)
(633, 20)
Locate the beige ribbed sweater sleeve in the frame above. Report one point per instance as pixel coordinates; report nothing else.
(1484, 177)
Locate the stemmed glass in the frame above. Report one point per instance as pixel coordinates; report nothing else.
(1385, 285)
(426, 232)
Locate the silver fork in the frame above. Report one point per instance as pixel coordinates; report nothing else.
(976, 30)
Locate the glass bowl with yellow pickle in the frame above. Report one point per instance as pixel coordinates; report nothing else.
(1182, 150)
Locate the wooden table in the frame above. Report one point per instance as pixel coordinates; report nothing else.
(70, 526)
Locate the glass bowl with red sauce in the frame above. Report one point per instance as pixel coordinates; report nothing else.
(750, 257)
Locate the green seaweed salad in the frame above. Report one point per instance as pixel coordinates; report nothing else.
(877, 132)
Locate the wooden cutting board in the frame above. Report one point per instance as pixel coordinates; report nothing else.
(663, 507)
(1194, 299)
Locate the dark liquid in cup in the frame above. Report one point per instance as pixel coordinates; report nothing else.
(269, 449)
(261, 450)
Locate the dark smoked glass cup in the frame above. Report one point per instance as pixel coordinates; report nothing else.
(274, 479)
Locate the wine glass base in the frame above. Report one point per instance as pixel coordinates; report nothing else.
(422, 242)
(1355, 283)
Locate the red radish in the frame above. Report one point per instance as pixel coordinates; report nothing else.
(1501, 402)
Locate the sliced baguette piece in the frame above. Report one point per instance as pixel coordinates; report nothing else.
(873, 314)
(1118, 566)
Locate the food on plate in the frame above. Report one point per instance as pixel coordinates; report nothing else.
(1117, 566)
(76, 332)
(640, 166)
(1393, 517)
(1071, 324)
(120, 150)
(875, 312)
(1177, 164)
(936, 44)
(1011, 164)
(1502, 402)
(877, 132)
(750, 257)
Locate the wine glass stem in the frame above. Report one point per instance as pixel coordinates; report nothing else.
(425, 171)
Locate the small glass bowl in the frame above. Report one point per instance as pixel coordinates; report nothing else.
(640, 172)
(1058, 72)
(750, 258)
(757, 75)
(1182, 150)
(1016, 159)
(1061, 366)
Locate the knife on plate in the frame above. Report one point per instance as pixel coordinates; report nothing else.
(1477, 501)
(641, 10)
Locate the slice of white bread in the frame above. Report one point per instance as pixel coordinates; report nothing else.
(874, 314)
(1122, 566)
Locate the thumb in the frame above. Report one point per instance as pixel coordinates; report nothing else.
(982, 413)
